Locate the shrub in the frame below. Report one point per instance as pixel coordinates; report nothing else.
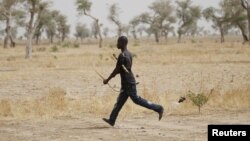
(76, 45)
(198, 100)
(54, 49)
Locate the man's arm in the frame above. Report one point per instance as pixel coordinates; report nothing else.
(116, 70)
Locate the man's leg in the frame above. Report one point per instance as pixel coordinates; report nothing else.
(122, 98)
(132, 92)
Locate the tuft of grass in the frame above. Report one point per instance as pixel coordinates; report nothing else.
(55, 49)
(66, 45)
(41, 49)
(193, 41)
(111, 45)
(11, 58)
(136, 43)
(76, 45)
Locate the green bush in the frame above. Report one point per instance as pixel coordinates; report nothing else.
(198, 100)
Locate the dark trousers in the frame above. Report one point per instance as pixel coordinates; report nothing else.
(130, 91)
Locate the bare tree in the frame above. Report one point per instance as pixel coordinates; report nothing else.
(114, 17)
(83, 7)
(35, 9)
(188, 16)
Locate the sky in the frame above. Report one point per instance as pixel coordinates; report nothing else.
(128, 8)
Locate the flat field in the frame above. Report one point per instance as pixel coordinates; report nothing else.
(57, 95)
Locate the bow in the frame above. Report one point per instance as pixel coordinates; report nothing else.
(99, 74)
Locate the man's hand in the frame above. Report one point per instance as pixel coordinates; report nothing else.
(105, 81)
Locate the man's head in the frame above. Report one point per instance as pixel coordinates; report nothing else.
(122, 42)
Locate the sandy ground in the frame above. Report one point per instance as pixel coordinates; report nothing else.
(30, 110)
(171, 128)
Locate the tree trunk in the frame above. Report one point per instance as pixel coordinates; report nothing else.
(30, 37)
(156, 37)
(13, 44)
(29, 46)
(245, 38)
(119, 30)
(37, 39)
(179, 37)
(63, 37)
(248, 16)
(8, 35)
(222, 39)
(98, 27)
(166, 35)
(51, 39)
(6, 38)
(134, 34)
(99, 33)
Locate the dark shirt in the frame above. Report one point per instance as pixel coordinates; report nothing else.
(125, 59)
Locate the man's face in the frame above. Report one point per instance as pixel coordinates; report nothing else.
(119, 44)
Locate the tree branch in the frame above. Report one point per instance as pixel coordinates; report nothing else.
(87, 14)
(244, 4)
(5, 15)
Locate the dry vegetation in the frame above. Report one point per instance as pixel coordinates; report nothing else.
(62, 83)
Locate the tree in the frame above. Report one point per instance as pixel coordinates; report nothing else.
(220, 21)
(141, 29)
(126, 29)
(45, 18)
(164, 10)
(161, 18)
(105, 32)
(35, 10)
(8, 11)
(50, 25)
(134, 23)
(246, 5)
(83, 7)
(236, 16)
(81, 31)
(154, 24)
(94, 30)
(62, 27)
(188, 16)
(114, 17)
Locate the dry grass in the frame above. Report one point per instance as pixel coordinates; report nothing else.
(56, 103)
(62, 83)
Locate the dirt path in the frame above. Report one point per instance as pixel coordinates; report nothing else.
(171, 128)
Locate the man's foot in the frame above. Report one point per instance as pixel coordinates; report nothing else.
(108, 121)
(161, 111)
